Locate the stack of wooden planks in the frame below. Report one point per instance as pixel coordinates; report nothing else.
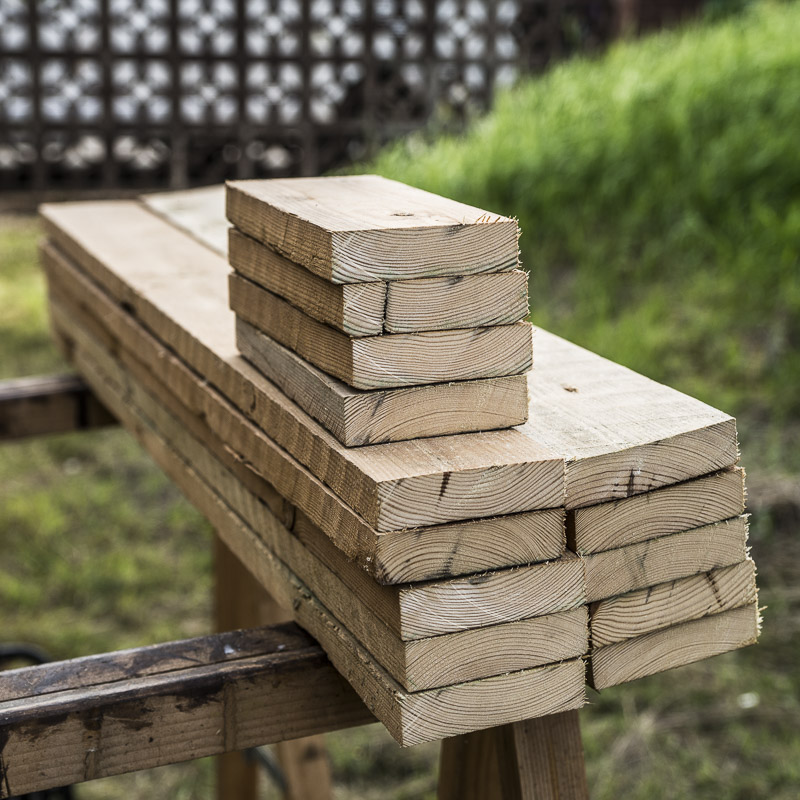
(435, 572)
(384, 311)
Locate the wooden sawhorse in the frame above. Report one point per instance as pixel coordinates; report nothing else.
(269, 683)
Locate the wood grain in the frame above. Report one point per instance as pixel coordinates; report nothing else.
(115, 713)
(176, 288)
(391, 360)
(411, 717)
(679, 555)
(48, 404)
(357, 417)
(539, 535)
(359, 228)
(674, 647)
(668, 510)
(647, 610)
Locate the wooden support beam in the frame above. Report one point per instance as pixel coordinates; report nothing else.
(74, 721)
(49, 404)
(537, 759)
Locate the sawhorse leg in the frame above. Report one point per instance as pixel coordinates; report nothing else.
(241, 602)
(538, 759)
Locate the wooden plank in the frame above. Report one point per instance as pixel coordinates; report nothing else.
(121, 712)
(537, 759)
(647, 610)
(391, 360)
(668, 510)
(356, 417)
(411, 717)
(369, 309)
(620, 433)
(392, 557)
(176, 287)
(679, 555)
(49, 404)
(354, 309)
(383, 617)
(674, 647)
(353, 229)
(239, 601)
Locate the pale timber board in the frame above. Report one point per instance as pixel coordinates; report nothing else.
(81, 727)
(177, 288)
(411, 717)
(620, 433)
(636, 566)
(392, 557)
(370, 309)
(360, 228)
(681, 600)
(411, 612)
(663, 511)
(357, 417)
(390, 360)
(356, 309)
(674, 647)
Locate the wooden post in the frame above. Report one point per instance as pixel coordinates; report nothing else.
(241, 602)
(538, 759)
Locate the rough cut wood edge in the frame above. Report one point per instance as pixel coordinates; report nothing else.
(390, 360)
(681, 600)
(679, 555)
(359, 228)
(48, 404)
(347, 529)
(674, 647)
(490, 473)
(663, 511)
(358, 417)
(411, 717)
(620, 433)
(354, 309)
(380, 617)
(138, 709)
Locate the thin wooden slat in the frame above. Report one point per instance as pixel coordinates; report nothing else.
(176, 287)
(361, 228)
(370, 309)
(49, 404)
(116, 713)
(673, 647)
(356, 417)
(411, 717)
(392, 360)
(393, 557)
(679, 555)
(657, 513)
(425, 662)
(681, 600)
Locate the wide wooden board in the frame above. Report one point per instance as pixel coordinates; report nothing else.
(647, 610)
(392, 557)
(177, 288)
(663, 511)
(357, 417)
(370, 309)
(359, 228)
(391, 360)
(411, 717)
(636, 566)
(674, 647)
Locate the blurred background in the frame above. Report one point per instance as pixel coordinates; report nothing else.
(651, 152)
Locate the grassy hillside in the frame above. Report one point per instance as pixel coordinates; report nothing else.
(657, 192)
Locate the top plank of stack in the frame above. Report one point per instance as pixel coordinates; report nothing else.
(363, 228)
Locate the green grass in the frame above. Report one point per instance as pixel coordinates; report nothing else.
(656, 188)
